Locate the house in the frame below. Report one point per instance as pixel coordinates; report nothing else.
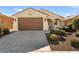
(56, 19)
(31, 19)
(6, 21)
(70, 19)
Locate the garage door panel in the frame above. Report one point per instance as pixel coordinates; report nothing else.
(30, 23)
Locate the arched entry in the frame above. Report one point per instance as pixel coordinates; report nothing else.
(49, 23)
(58, 22)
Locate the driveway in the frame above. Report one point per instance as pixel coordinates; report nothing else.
(23, 41)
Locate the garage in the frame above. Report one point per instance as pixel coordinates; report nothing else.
(30, 19)
(30, 23)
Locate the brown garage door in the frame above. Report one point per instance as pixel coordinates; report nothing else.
(30, 23)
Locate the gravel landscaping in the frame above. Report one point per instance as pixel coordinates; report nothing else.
(63, 45)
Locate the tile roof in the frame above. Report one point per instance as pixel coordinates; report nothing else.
(38, 11)
(51, 12)
(27, 9)
(69, 17)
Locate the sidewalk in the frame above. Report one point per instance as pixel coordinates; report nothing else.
(44, 49)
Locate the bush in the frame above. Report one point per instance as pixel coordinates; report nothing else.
(69, 28)
(77, 34)
(0, 32)
(52, 31)
(53, 37)
(6, 31)
(76, 24)
(58, 32)
(75, 43)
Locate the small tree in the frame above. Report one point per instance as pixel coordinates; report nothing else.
(1, 27)
(76, 25)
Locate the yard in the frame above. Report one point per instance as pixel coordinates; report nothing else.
(63, 43)
(65, 38)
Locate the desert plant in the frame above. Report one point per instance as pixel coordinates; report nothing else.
(53, 37)
(61, 32)
(75, 43)
(6, 31)
(77, 34)
(69, 28)
(58, 32)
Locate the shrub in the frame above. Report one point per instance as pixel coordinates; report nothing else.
(53, 37)
(61, 32)
(0, 32)
(6, 31)
(58, 32)
(69, 28)
(76, 24)
(75, 43)
(77, 34)
(52, 31)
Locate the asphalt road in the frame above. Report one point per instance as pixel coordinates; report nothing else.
(22, 42)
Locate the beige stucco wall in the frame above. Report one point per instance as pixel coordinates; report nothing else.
(30, 13)
(53, 16)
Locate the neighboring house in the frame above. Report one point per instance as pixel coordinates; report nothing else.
(6, 21)
(31, 19)
(69, 20)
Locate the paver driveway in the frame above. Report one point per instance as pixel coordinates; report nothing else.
(23, 41)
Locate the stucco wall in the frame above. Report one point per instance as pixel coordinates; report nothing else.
(29, 13)
(53, 16)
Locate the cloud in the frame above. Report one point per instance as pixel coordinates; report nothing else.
(1, 10)
(67, 14)
(18, 9)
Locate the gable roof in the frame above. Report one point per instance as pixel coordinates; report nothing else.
(27, 9)
(70, 17)
(49, 12)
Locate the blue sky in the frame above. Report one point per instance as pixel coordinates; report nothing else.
(61, 10)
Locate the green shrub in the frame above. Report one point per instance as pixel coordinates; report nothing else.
(58, 32)
(52, 31)
(6, 31)
(77, 34)
(53, 37)
(61, 32)
(76, 24)
(68, 28)
(0, 32)
(75, 43)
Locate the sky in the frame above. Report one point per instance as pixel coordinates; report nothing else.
(60, 10)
